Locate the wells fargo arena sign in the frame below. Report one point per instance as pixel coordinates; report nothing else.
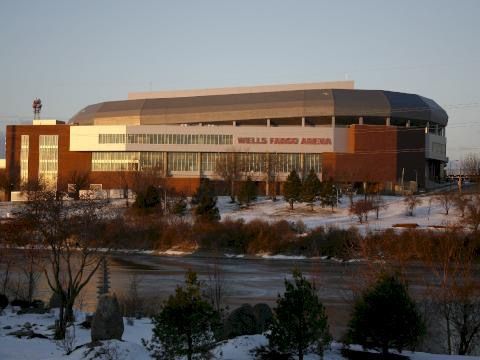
(282, 141)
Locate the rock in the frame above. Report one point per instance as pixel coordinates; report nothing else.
(264, 316)
(241, 321)
(32, 310)
(27, 333)
(3, 301)
(107, 321)
(21, 303)
(27, 325)
(8, 327)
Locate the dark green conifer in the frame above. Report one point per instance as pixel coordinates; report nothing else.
(292, 188)
(311, 188)
(299, 320)
(185, 325)
(386, 317)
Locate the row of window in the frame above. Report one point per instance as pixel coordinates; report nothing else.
(24, 149)
(209, 162)
(48, 159)
(208, 139)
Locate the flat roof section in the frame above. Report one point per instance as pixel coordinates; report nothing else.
(349, 84)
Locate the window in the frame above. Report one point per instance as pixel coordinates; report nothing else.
(24, 150)
(48, 160)
(184, 139)
(182, 161)
(313, 161)
(115, 161)
(289, 162)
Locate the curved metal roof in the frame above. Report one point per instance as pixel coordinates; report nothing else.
(266, 105)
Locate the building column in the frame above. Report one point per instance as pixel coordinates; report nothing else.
(408, 123)
(303, 121)
(199, 163)
(165, 163)
(427, 129)
(234, 123)
(268, 122)
(360, 120)
(333, 121)
(387, 121)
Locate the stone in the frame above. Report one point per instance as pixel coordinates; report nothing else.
(107, 323)
(264, 316)
(8, 327)
(241, 321)
(3, 302)
(27, 325)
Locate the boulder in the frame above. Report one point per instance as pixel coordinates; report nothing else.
(107, 323)
(264, 316)
(241, 321)
(3, 302)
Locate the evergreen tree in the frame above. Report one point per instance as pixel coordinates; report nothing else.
(328, 195)
(185, 325)
(311, 188)
(292, 188)
(248, 192)
(148, 199)
(204, 198)
(386, 316)
(299, 321)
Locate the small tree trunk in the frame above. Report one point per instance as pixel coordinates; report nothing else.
(60, 323)
(291, 204)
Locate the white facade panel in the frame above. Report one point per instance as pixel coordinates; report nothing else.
(292, 139)
(436, 147)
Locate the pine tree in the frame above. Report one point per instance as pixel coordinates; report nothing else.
(204, 198)
(386, 316)
(328, 195)
(299, 320)
(248, 192)
(292, 188)
(186, 323)
(311, 188)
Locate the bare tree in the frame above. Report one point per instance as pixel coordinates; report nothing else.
(460, 202)
(446, 199)
(457, 297)
(272, 170)
(411, 202)
(216, 286)
(229, 168)
(71, 233)
(470, 166)
(472, 215)
(79, 180)
(378, 204)
(360, 209)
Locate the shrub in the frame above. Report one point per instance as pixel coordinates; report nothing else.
(186, 324)
(385, 316)
(299, 321)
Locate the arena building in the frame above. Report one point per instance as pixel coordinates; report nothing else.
(342, 133)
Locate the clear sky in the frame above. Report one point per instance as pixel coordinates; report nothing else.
(75, 53)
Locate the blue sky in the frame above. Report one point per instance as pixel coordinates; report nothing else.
(71, 54)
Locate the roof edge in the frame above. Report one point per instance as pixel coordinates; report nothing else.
(347, 84)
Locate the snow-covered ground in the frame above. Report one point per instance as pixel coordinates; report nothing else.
(13, 348)
(430, 213)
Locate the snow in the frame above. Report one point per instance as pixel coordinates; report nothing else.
(130, 348)
(428, 214)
